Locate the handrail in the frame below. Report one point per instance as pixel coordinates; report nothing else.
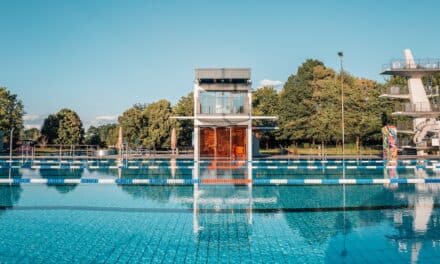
(418, 64)
(404, 90)
(417, 107)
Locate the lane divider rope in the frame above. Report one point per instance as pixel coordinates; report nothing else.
(208, 161)
(288, 167)
(214, 181)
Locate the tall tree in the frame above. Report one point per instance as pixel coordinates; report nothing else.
(92, 137)
(363, 110)
(108, 134)
(295, 104)
(49, 130)
(159, 124)
(265, 101)
(31, 134)
(184, 107)
(134, 123)
(64, 127)
(70, 130)
(11, 115)
(324, 122)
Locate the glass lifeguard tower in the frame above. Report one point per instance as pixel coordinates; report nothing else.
(223, 114)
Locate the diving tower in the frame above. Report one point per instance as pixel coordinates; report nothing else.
(414, 100)
(223, 120)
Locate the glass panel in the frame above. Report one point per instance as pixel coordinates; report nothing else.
(222, 102)
(238, 103)
(238, 148)
(223, 142)
(207, 142)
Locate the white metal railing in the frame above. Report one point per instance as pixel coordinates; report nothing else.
(420, 64)
(417, 107)
(403, 90)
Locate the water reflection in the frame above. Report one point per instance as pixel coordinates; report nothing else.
(415, 226)
(62, 174)
(335, 220)
(221, 198)
(10, 194)
(400, 219)
(419, 225)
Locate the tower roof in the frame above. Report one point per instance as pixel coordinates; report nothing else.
(223, 74)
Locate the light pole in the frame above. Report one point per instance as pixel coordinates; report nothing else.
(341, 72)
(10, 147)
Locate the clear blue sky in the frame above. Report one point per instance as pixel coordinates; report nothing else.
(101, 57)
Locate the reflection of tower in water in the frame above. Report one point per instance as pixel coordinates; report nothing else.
(218, 206)
(416, 223)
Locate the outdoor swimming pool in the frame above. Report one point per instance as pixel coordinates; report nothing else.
(291, 212)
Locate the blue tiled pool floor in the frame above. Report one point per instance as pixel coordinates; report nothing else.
(55, 236)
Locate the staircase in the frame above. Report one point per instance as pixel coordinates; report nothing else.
(422, 129)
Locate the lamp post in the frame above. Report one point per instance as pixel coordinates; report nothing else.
(10, 147)
(341, 71)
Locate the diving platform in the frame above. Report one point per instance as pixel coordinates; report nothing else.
(415, 99)
(410, 67)
(417, 110)
(402, 93)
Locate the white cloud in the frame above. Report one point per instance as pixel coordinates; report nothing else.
(106, 118)
(31, 117)
(272, 83)
(32, 121)
(100, 120)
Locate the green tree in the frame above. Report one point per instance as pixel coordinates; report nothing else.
(324, 121)
(159, 124)
(134, 123)
(11, 115)
(64, 127)
(363, 110)
(295, 104)
(108, 134)
(265, 102)
(184, 128)
(31, 134)
(92, 137)
(49, 130)
(70, 130)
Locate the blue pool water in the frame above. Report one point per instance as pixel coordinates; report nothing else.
(88, 223)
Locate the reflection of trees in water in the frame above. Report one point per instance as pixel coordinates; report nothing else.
(62, 174)
(156, 193)
(10, 194)
(160, 193)
(316, 174)
(145, 173)
(319, 227)
(110, 172)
